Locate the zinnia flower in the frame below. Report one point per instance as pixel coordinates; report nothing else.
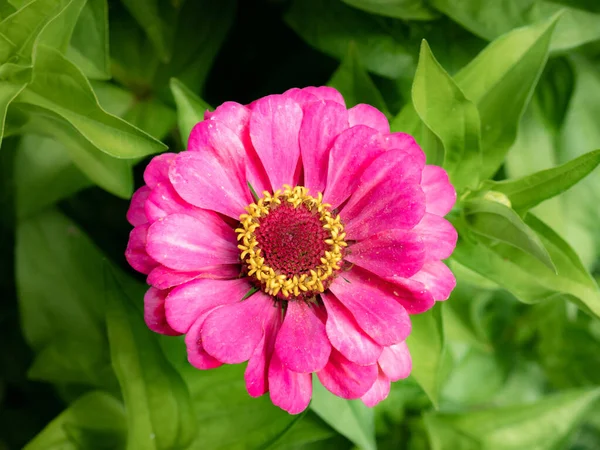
(297, 235)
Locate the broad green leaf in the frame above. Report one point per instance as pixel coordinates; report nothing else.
(554, 91)
(44, 174)
(427, 346)
(399, 9)
(13, 79)
(349, 417)
(355, 84)
(310, 432)
(546, 424)
(94, 421)
(159, 408)
(508, 68)
(526, 192)
(153, 117)
(60, 286)
(492, 19)
(330, 26)
(57, 34)
(443, 108)
(499, 222)
(190, 108)
(60, 87)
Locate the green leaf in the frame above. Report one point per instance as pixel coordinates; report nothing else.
(13, 79)
(546, 424)
(349, 417)
(94, 421)
(499, 222)
(60, 87)
(399, 9)
(427, 346)
(508, 68)
(526, 192)
(190, 108)
(330, 26)
(57, 34)
(44, 174)
(554, 91)
(355, 84)
(443, 108)
(159, 408)
(310, 432)
(152, 116)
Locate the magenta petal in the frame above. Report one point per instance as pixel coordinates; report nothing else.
(201, 179)
(274, 128)
(164, 200)
(438, 235)
(437, 279)
(154, 312)
(408, 144)
(395, 361)
(188, 243)
(162, 277)
(321, 124)
(410, 293)
(300, 96)
(136, 253)
(345, 378)
(378, 392)
(325, 93)
(302, 343)
(289, 390)
(232, 332)
(257, 370)
(136, 214)
(439, 193)
(188, 301)
(375, 311)
(157, 171)
(389, 253)
(346, 336)
(353, 150)
(370, 116)
(235, 116)
(197, 356)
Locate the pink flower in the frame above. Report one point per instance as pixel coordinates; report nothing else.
(318, 275)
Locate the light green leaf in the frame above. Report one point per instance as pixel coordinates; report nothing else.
(443, 108)
(60, 87)
(499, 222)
(554, 91)
(13, 79)
(96, 420)
(57, 34)
(546, 424)
(330, 26)
(349, 417)
(159, 408)
(427, 346)
(399, 9)
(44, 174)
(190, 108)
(153, 117)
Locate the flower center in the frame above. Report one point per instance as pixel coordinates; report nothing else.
(290, 243)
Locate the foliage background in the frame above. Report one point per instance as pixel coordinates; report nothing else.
(90, 88)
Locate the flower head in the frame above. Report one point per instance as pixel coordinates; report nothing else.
(297, 235)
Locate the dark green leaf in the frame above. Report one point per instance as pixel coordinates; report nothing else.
(311, 433)
(554, 91)
(443, 108)
(399, 9)
(190, 108)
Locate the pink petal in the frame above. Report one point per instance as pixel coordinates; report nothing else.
(346, 336)
(135, 214)
(154, 312)
(187, 302)
(157, 171)
(201, 179)
(410, 293)
(162, 277)
(300, 96)
(370, 116)
(353, 150)
(186, 243)
(378, 392)
(197, 356)
(164, 200)
(302, 343)
(291, 391)
(439, 193)
(437, 279)
(274, 128)
(389, 253)
(375, 311)
(257, 371)
(439, 236)
(345, 378)
(322, 123)
(235, 116)
(325, 93)
(395, 361)
(136, 253)
(408, 144)
(232, 332)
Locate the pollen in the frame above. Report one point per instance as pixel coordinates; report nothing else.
(291, 244)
